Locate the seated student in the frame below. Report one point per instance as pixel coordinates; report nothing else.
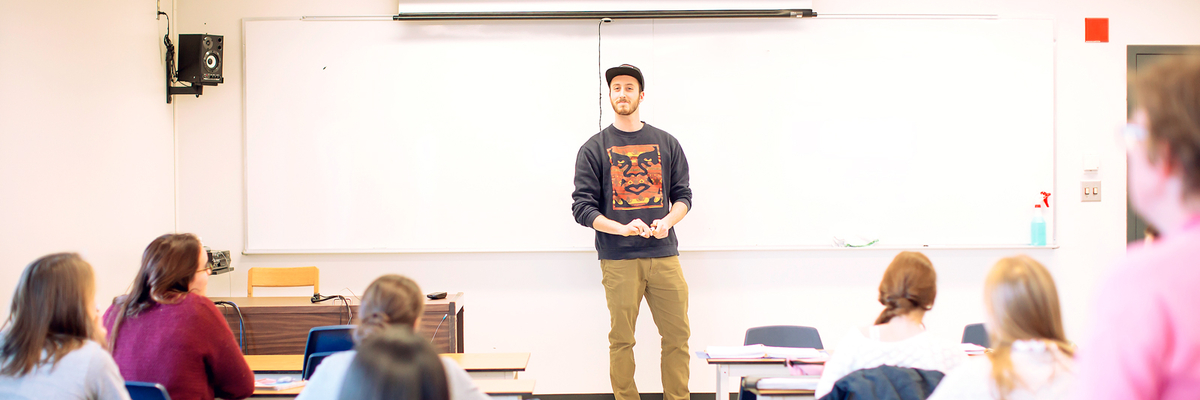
(395, 365)
(52, 343)
(391, 302)
(1030, 356)
(165, 331)
(898, 337)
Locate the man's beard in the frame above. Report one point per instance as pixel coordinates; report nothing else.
(633, 106)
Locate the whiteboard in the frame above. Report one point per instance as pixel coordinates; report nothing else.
(461, 136)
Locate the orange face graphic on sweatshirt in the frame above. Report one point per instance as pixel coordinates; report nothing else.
(636, 173)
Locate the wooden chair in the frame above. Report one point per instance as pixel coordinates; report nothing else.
(283, 277)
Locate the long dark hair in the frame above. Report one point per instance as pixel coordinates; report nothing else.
(169, 264)
(390, 300)
(910, 283)
(50, 312)
(395, 364)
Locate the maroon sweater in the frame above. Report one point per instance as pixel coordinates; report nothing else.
(186, 346)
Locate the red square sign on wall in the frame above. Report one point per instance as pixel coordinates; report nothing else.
(1095, 30)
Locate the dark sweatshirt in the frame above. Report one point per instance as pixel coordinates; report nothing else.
(626, 176)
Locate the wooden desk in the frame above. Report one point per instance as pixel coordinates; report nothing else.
(280, 325)
(500, 389)
(276, 363)
(506, 389)
(481, 366)
(290, 393)
(485, 366)
(511, 389)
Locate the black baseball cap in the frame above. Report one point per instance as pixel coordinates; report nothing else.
(625, 69)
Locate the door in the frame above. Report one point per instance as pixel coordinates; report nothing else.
(1141, 56)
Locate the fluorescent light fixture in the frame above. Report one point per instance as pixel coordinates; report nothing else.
(598, 15)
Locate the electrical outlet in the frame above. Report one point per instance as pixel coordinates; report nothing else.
(1091, 190)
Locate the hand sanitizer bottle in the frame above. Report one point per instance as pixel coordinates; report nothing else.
(1037, 231)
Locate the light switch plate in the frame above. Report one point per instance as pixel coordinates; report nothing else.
(1090, 191)
(1091, 162)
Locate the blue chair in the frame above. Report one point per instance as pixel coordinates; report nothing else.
(784, 336)
(328, 339)
(146, 391)
(780, 336)
(313, 361)
(975, 333)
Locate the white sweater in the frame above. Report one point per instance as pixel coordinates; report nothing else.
(86, 373)
(326, 381)
(1043, 374)
(856, 352)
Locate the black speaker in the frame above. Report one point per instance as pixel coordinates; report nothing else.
(200, 59)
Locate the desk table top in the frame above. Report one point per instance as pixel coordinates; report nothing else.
(468, 361)
(490, 361)
(506, 386)
(276, 363)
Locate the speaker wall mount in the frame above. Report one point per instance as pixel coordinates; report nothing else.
(201, 60)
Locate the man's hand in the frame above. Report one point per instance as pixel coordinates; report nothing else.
(637, 227)
(660, 229)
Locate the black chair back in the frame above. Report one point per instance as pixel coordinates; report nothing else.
(975, 333)
(784, 336)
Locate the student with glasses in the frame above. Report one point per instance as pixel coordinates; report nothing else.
(166, 331)
(1145, 334)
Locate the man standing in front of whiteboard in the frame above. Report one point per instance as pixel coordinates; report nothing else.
(631, 186)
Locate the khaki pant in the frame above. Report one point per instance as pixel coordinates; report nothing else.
(660, 281)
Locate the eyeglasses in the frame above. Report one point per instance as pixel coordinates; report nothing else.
(1132, 134)
(208, 269)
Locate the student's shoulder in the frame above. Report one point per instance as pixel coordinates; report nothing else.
(852, 341)
(970, 380)
(592, 144)
(196, 301)
(201, 306)
(90, 350)
(93, 355)
(341, 357)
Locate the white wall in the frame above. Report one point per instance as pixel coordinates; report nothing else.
(86, 165)
(86, 147)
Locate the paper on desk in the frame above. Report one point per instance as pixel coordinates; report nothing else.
(791, 352)
(788, 383)
(283, 383)
(760, 351)
(751, 351)
(973, 349)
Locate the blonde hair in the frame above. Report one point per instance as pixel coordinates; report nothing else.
(908, 284)
(390, 300)
(1020, 295)
(50, 312)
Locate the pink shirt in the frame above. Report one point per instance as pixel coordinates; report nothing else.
(1145, 336)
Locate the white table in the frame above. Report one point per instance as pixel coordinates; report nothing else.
(739, 367)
